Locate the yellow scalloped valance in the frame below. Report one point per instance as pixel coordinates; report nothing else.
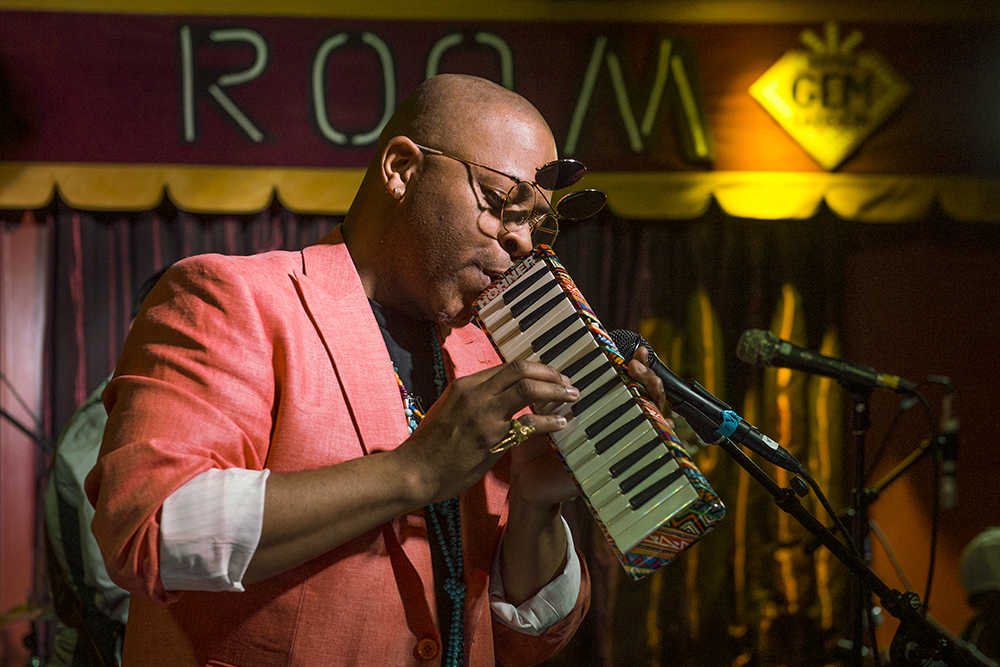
(676, 196)
(798, 195)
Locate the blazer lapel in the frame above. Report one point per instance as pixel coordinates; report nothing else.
(335, 299)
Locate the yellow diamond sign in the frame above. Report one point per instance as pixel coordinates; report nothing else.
(830, 98)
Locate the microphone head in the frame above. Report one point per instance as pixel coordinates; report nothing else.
(627, 342)
(757, 347)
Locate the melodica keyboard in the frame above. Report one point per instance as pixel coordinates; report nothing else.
(649, 499)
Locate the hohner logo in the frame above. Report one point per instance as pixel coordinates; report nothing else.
(515, 272)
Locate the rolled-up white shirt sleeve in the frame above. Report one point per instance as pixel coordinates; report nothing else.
(210, 529)
(549, 606)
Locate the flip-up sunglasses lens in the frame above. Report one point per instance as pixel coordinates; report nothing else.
(581, 204)
(559, 174)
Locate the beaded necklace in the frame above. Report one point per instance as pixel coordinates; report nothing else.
(444, 519)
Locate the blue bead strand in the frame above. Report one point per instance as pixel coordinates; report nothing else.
(445, 518)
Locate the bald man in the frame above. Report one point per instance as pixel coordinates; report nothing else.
(269, 489)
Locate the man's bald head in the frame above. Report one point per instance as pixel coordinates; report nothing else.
(450, 111)
(425, 229)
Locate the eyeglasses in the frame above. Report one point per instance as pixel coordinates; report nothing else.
(526, 204)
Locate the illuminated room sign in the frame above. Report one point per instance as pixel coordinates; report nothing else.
(831, 97)
(228, 113)
(288, 91)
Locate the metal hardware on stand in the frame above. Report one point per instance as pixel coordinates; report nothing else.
(917, 641)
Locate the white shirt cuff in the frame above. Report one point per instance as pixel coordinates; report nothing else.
(549, 606)
(210, 528)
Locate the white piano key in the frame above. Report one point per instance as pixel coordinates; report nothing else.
(598, 466)
(627, 534)
(575, 351)
(598, 364)
(519, 347)
(493, 310)
(530, 295)
(508, 329)
(567, 409)
(616, 511)
(602, 495)
(580, 455)
(573, 435)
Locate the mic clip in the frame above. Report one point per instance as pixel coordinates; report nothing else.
(704, 426)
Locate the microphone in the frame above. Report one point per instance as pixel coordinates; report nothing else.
(763, 348)
(948, 448)
(710, 418)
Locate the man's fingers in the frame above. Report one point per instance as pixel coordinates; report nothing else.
(543, 423)
(522, 369)
(639, 370)
(523, 383)
(523, 428)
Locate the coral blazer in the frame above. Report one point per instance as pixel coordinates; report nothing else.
(276, 361)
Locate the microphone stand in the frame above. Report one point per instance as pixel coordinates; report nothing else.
(38, 439)
(860, 594)
(917, 641)
(863, 498)
(873, 492)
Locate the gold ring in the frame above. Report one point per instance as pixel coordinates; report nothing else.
(517, 434)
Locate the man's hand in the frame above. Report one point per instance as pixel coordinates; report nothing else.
(653, 385)
(534, 546)
(640, 372)
(309, 512)
(539, 478)
(451, 445)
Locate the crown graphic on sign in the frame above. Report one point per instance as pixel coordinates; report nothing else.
(831, 97)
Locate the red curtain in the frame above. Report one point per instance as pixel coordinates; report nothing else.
(696, 611)
(24, 242)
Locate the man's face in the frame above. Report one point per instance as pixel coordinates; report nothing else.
(457, 243)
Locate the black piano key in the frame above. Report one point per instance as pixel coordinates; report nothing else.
(607, 420)
(538, 313)
(553, 331)
(633, 480)
(620, 468)
(581, 363)
(522, 285)
(655, 489)
(524, 304)
(590, 378)
(585, 402)
(611, 438)
(550, 355)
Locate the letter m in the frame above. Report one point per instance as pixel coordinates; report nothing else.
(674, 81)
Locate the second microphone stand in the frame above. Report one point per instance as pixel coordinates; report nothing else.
(916, 641)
